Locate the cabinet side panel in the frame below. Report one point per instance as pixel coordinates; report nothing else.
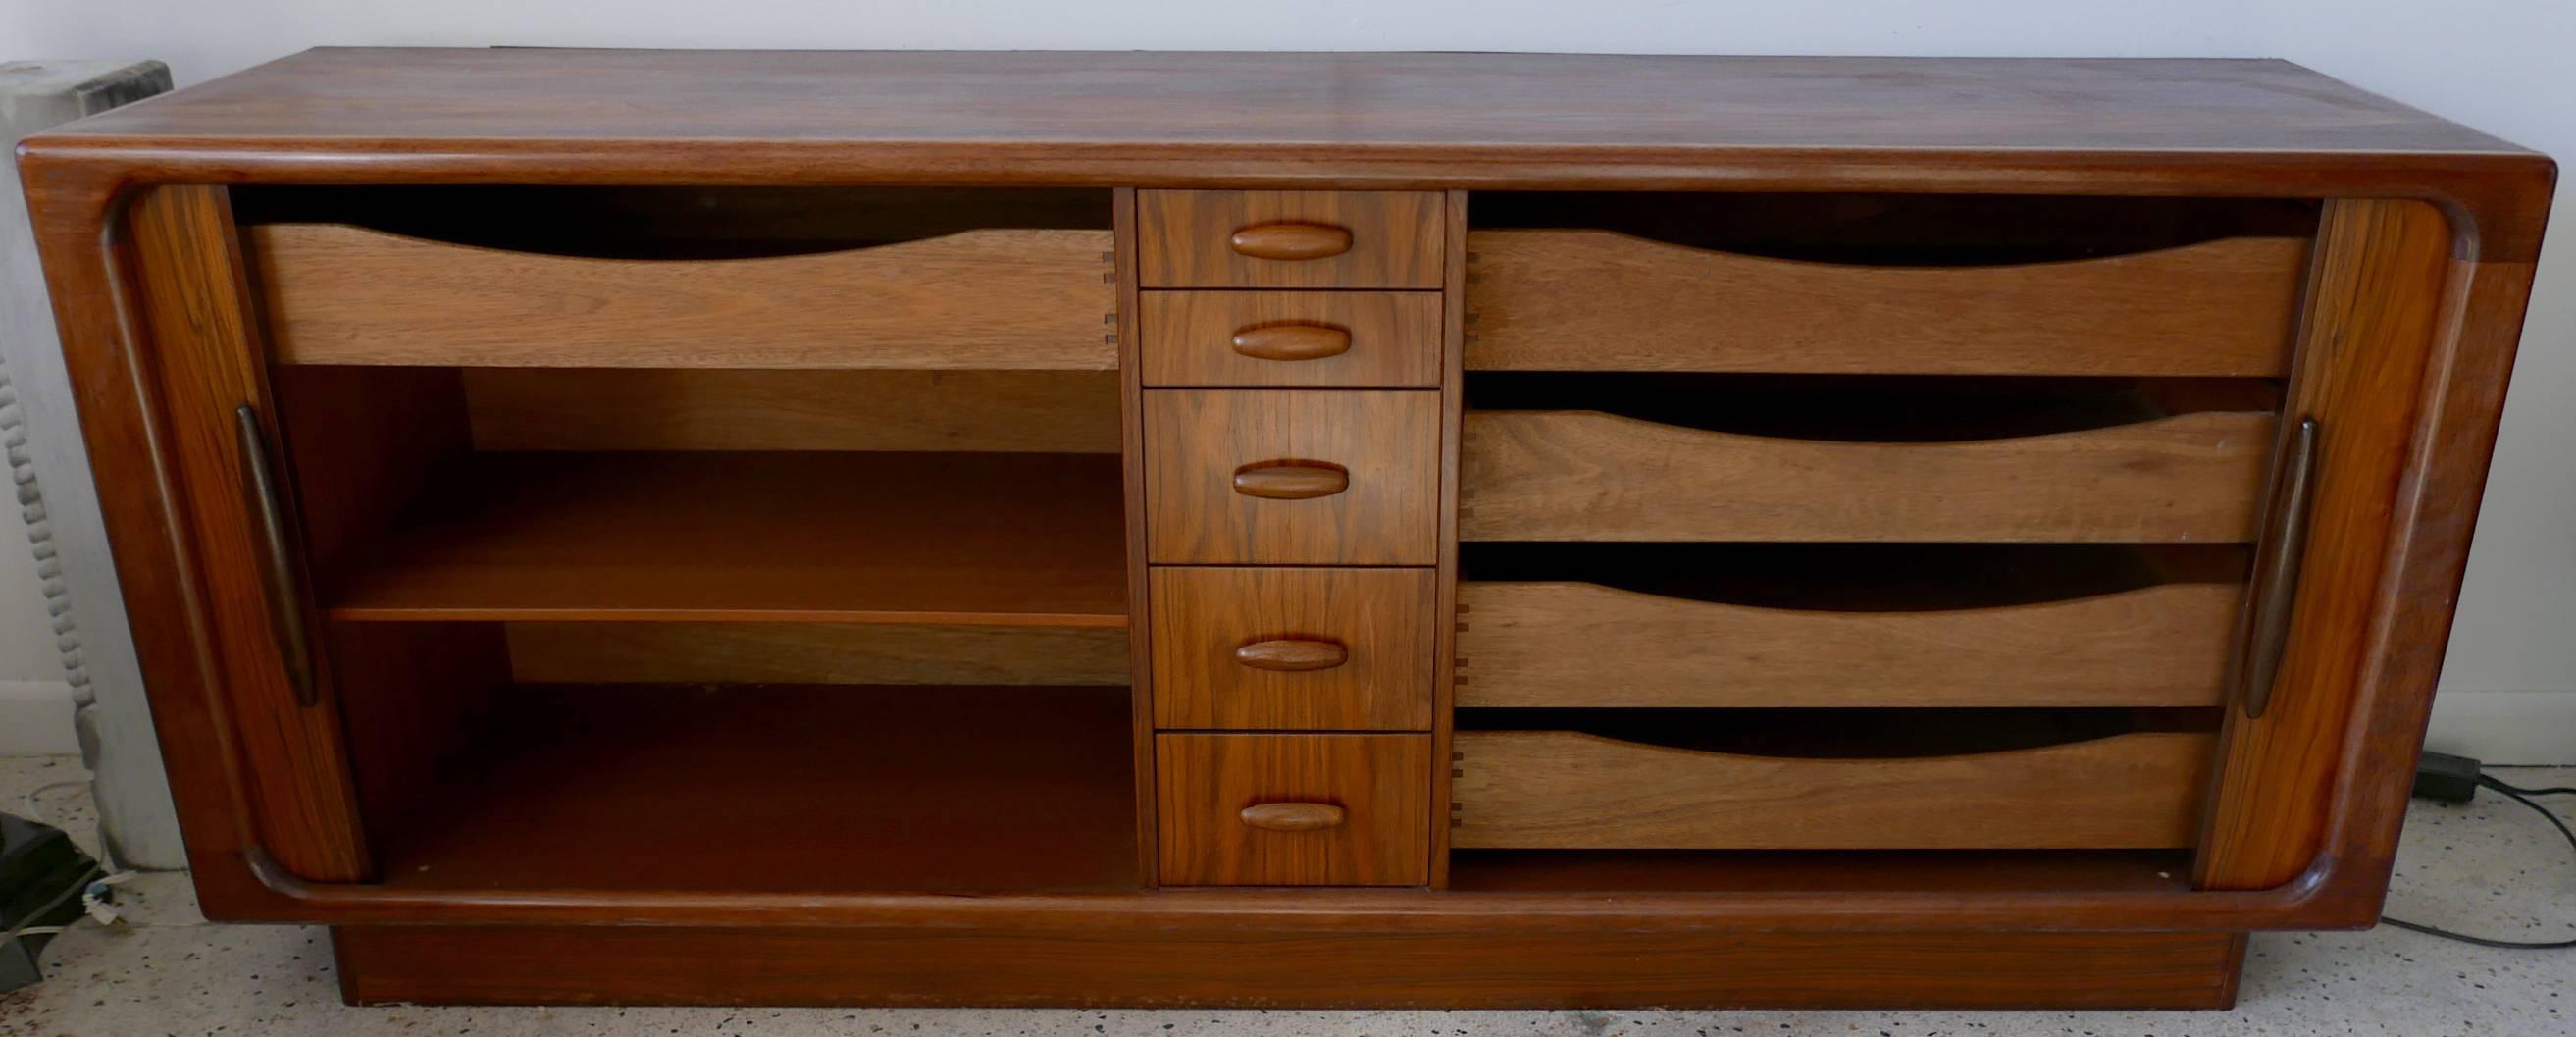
(1131, 428)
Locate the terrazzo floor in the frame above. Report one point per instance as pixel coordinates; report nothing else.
(2491, 867)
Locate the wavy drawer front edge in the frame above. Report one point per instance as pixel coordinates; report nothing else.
(1574, 644)
(1587, 475)
(1590, 300)
(1571, 790)
(992, 299)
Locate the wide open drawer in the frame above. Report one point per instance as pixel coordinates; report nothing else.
(1586, 475)
(1598, 300)
(1665, 626)
(989, 298)
(1547, 789)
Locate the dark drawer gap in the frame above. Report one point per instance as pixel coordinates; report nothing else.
(1899, 230)
(1870, 408)
(674, 222)
(1860, 577)
(1847, 734)
(1842, 871)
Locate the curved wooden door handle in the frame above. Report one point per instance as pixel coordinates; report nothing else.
(1291, 241)
(1293, 654)
(1292, 341)
(1291, 480)
(285, 594)
(2263, 631)
(1293, 817)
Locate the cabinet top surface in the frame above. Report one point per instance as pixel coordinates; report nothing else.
(1289, 119)
(1255, 99)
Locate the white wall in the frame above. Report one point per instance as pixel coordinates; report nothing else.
(2509, 689)
(2506, 66)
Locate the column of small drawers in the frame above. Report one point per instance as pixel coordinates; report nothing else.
(1290, 352)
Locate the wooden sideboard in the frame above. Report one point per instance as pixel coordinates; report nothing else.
(1287, 529)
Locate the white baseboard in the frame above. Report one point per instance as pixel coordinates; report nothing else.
(2533, 728)
(36, 719)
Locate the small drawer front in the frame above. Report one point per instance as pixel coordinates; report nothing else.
(1329, 649)
(1570, 790)
(1585, 475)
(1348, 339)
(1289, 239)
(1591, 300)
(1575, 644)
(1293, 810)
(1286, 477)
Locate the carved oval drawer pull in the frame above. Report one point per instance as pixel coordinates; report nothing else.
(1293, 817)
(1293, 342)
(1291, 480)
(1291, 241)
(1292, 655)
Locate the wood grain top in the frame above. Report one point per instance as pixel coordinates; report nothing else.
(2084, 126)
(1250, 99)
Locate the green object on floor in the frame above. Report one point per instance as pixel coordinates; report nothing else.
(41, 878)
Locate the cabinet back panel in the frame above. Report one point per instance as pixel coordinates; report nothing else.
(817, 653)
(1073, 412)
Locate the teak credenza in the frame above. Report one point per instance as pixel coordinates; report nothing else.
(1287, 529)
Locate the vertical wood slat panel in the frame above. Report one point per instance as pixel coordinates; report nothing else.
(1131, 431)
(194, 302)
(2373, 302)
(1447, 614)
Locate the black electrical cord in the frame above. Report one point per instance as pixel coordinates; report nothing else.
(2554, 790)
(2522, 796)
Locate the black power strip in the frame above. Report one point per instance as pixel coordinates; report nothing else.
(41, 876)
(2447, 778)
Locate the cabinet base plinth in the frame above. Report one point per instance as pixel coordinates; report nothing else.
(1258, 969)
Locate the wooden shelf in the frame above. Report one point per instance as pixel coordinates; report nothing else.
(770, 788)
(1018, 539)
